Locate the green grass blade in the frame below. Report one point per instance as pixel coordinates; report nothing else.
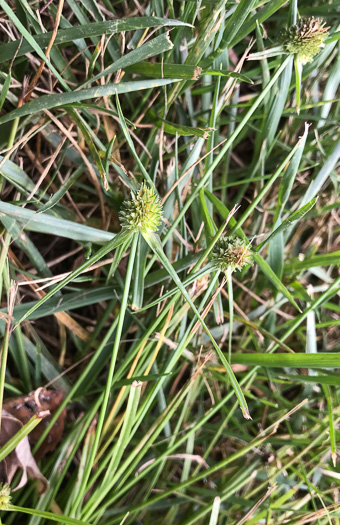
(4, 90)
(264, 190)
(248, 26)
(332, 431)
(28, 37)
(117, 241)
(207, 269)
(18, 437)
(130, 143)
(323, 175)
(231, 317)
(178, 129)
(65, 36)
(320, 379)
(181, 71)
(122, 441)
(93, 150)
(139, 275)
(320, 360)
(237, 20)
(154, 47)
(46, 223)
(48, 515)
(108, 386)
(63, 99)
(156, 246)
(293, 217)
(325, 259)
(16, 176)
(290, 174)
(271, 275)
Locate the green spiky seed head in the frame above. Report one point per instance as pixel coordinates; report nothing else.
(143, 212)
(304, 39)
(5, 496)
(231, 254)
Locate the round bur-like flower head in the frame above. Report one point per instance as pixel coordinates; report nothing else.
(231, 254)
(5, 496)
(143, 212)
(304, 39)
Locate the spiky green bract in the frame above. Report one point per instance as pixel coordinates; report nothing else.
(143, 212)
(304, 39)
(231, 254)
(5, 496)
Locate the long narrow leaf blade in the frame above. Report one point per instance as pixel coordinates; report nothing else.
(62, 99)
(156, 246)
(321, 360)
(296, 216)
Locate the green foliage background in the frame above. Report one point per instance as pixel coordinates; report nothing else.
(155, 348)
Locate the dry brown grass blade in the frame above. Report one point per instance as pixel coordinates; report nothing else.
(315, 516)
(51, 281)
(85, 159)
(242, 314)
(189, 169)
(209, 305)
(160, 340)
(62, 317)
(273, 428)
(21, 141)
(192, 457)
(132, 369)
(119, 397)
(262, 301)
(48, 166)
(231, 83)
(7, 334)
(256, 506)
(37, 164)
(21, 457)
(38, 74)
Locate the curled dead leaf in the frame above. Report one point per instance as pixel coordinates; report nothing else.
(24, 407)
(18, 412)
(20, 458)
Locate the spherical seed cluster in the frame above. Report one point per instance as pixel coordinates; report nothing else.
(143, 212)
(5, 496)
(304, 39)
(231, 253)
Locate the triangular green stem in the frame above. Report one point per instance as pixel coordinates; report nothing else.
(156, 246)
(108, 385)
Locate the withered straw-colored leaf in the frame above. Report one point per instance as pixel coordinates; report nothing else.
(20, 458)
